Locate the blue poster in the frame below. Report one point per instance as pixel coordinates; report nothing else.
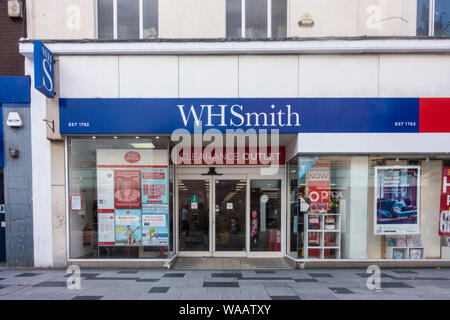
(304, 164)
(128, 227)
(155, 225)
(155, 187)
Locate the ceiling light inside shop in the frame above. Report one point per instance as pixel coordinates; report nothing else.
(147, 145)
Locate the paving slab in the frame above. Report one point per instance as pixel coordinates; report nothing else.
(225, 284)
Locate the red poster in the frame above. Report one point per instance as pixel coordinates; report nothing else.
(127, 189)
(444, 216)
(319, 186)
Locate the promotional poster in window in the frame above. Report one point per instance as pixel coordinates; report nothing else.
(397, 200)
(132, 190)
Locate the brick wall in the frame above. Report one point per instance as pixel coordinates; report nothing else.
(11, 30)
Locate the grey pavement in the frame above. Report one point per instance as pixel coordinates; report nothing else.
(239, 284)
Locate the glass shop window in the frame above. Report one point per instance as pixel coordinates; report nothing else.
(120, 198)
(265, 215)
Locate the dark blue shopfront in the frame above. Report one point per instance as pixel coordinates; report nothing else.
(15, 220)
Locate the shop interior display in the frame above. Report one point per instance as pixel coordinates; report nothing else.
(322, 236)
(404, 247)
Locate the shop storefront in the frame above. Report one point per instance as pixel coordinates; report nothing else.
(238, 155)
(143, 196)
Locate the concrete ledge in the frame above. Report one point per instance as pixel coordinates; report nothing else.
(336, 264)
(123, 264)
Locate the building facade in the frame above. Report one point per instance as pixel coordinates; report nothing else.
(313, 131)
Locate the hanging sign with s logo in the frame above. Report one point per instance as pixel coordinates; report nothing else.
(44, 61)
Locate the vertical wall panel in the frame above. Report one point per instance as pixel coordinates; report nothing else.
(18, 192)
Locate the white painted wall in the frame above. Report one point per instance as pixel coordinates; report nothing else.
(41, 175)
(353, 18)
(331, 18)
(192, 19)
(61, 19)
(386, 18)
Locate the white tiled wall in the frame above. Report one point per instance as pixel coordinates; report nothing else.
(415, 76)
(148, 76)
(338, 76)
(208, 76)
(268, 76)
(255, 76)
(89, 77)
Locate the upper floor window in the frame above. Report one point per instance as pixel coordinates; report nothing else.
(442, 18)
(127, 19)
(256, 19)
(433, 18)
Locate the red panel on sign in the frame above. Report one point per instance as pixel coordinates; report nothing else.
(221, 156)
(434, 115)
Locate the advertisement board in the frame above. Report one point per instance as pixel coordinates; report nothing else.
(155, 226)
(132, 193)
(155, 185)
(397, 207)
(128, 227)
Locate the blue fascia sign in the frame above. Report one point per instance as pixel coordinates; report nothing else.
(288, 115)
(44, 69)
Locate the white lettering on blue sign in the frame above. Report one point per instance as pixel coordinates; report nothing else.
(43, 69)
(238, 118)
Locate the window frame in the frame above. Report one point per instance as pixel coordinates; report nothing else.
(115, 27)
(269, 19)
(432, 18)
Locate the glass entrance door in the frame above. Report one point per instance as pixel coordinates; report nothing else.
(194, 215)
(230, 218)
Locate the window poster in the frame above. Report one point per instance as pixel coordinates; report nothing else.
(106, 226)
(105, 188)
(154, 185)
(132, 191)
(127, 189)
(444, 215)
(155, 227)
(397, 200)
(128, 227)
(105, 206)
(75, 203)
(318, 182)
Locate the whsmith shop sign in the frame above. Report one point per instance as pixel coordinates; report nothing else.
(44, 69)
(288, 115)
